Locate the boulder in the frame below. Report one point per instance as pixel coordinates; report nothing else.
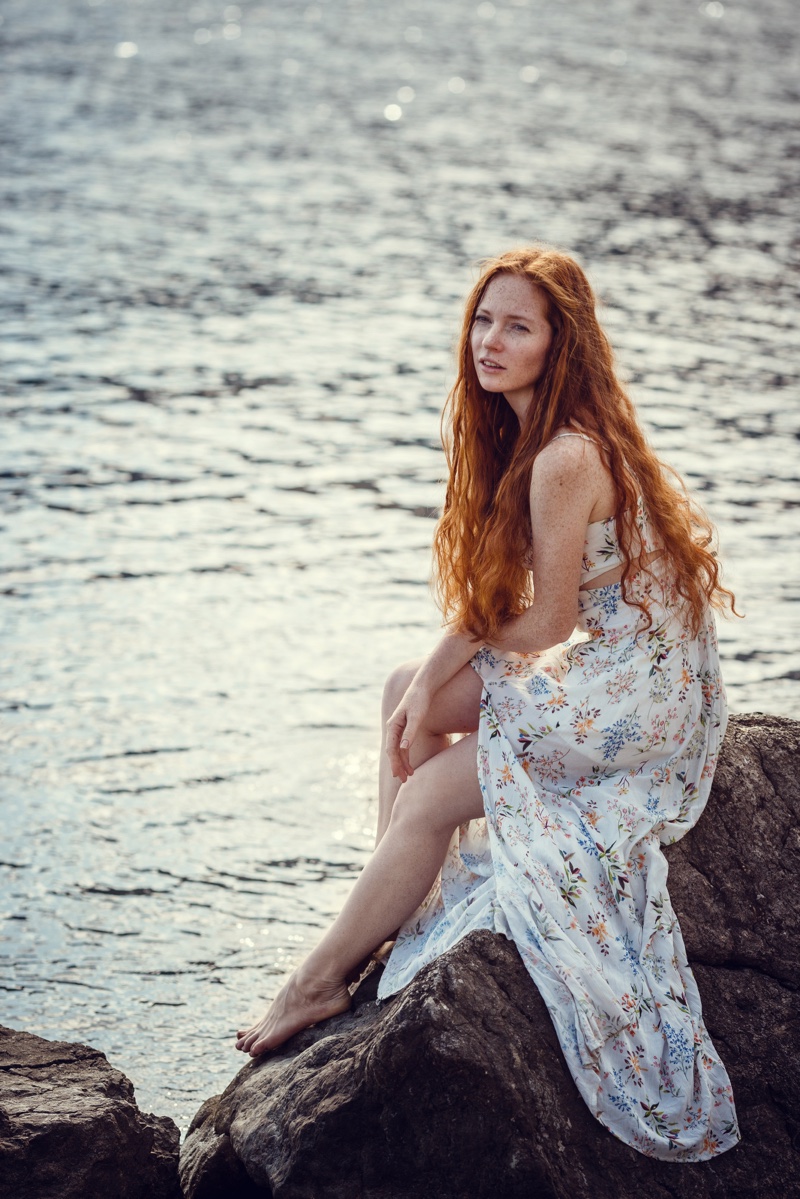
(70, 1127)
(457, 1086)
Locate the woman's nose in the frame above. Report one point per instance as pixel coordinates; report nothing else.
(491, 337)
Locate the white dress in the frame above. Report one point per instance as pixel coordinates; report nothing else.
(591, 756)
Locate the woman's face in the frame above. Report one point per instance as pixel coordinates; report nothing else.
(510, 339)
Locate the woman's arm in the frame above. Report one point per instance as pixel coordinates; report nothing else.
(567, 479)
(453, 651)
(564, 488)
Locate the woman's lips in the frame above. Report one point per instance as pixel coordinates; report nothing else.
(489, 365)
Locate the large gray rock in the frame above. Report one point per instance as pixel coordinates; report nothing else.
(70, 1127)
(457, 1087)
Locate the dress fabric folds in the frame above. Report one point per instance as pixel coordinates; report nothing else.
(591, 756)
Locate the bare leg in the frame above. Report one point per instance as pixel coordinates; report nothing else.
(438, 797)
(454, 709)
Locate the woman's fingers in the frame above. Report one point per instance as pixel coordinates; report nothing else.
(405, 746)
(398, 743)
(394, 731)
(402, 728)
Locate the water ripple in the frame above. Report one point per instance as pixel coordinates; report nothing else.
(230, 292)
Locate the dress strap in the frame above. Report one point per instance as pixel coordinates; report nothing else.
(583, 435)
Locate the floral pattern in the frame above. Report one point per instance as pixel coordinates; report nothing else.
(591, 756)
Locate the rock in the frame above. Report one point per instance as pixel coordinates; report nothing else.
(70, 1127)
(733, 879)
(456, 1088)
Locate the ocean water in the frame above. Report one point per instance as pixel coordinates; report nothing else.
(235, 243)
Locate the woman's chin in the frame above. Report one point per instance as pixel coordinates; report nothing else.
(493, 385)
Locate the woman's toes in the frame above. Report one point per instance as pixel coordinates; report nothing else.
(292, 1010)
(260, 1045)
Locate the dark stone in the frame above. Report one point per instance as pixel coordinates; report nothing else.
(457, 1089)
(70, 1127)
(733, 880)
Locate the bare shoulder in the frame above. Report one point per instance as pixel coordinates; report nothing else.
(565, 461)
(572, 472)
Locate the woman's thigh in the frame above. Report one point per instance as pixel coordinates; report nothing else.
(456, 706)
(444, 791)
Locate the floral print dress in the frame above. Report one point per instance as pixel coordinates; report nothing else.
(591, 756)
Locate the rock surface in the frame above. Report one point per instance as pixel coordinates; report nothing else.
(457, 1088)
(70, 1127)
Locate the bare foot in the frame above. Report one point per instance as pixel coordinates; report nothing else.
(298, 1004)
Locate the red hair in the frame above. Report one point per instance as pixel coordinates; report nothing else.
(481, 540)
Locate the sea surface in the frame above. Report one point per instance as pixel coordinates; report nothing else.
(235, 241)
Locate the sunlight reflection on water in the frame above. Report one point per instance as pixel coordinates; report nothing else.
(230, 303)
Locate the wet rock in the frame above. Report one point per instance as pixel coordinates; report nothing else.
(70, 1127)
(457, 1087)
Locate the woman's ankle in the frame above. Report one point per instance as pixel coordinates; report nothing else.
(319, 977)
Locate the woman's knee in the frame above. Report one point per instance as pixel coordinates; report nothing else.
(415, 806)
(397, 684)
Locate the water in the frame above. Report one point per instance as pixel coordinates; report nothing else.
(230, 291)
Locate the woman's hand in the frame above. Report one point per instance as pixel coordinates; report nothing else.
(403, 726)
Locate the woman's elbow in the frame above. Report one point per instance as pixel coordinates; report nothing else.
(564, 632)
(559, 626)
(545, 635)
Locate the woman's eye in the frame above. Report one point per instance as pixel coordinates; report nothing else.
(522, 328)
(481, 320)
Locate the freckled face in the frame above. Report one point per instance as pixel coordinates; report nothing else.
(510, 339)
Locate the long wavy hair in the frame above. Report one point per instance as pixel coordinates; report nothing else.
(480, 543)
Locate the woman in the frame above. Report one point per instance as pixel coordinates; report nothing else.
(581, 664)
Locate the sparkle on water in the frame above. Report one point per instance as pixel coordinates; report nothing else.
(229, 307)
